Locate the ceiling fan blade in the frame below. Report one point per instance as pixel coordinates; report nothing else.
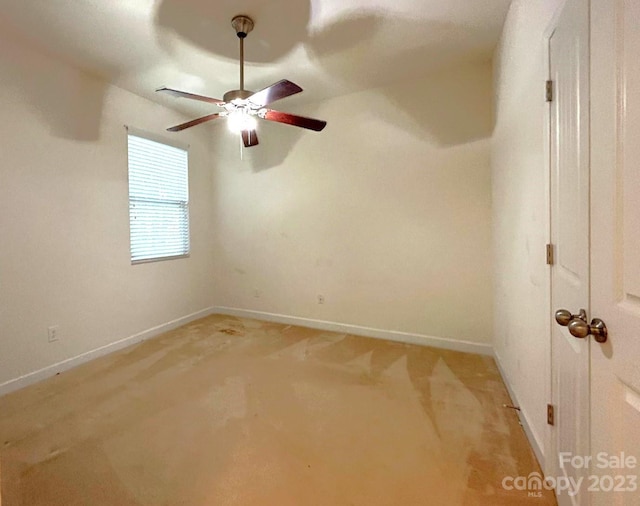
(292, 119)
(276, 91)
(250, 138)
(194, 122)
(184, 94)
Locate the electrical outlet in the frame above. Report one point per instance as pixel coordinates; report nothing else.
(257, 293)
(53, 333)
(320, 299)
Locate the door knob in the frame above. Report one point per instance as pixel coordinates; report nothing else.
(581, 329)
(564, 317)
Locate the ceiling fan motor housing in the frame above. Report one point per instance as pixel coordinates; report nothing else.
(232, 95)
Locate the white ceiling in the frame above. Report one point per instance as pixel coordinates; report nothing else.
(328, 47)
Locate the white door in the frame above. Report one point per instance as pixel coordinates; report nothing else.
(569, 185)
(615, 247)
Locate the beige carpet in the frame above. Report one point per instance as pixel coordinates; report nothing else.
(230, 411)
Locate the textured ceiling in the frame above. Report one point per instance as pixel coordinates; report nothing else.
(329, 47)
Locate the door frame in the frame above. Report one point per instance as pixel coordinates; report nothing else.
(550, 465)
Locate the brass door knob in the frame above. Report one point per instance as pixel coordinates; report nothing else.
(581, 329)
(564, 317)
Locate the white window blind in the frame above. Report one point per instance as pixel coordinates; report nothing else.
(158, 200)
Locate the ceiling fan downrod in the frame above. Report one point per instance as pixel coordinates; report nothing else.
(243, 26)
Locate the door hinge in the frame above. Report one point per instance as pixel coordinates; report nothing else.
(551, 414)
(549, 91)
(550, 255)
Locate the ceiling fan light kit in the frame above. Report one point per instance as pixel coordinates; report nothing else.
(242, 107)
(238, 120)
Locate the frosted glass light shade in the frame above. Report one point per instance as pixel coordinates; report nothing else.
(239, 120)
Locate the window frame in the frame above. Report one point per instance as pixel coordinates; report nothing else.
(131, 131)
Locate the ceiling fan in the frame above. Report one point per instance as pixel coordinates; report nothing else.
(242, 107)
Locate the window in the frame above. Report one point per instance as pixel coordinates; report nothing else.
(158, 200)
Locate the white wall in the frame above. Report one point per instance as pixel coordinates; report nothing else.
(386, 213)
(520, 209)
(64, 243)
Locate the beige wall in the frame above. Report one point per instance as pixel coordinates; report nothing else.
(64, 243)
(386, 213)
(520, 209)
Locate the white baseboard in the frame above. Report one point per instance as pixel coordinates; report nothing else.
(65, 365)
(391, 335)
(522, 414)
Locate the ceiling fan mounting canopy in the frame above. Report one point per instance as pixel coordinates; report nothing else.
(243, 25)
(242, 107)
